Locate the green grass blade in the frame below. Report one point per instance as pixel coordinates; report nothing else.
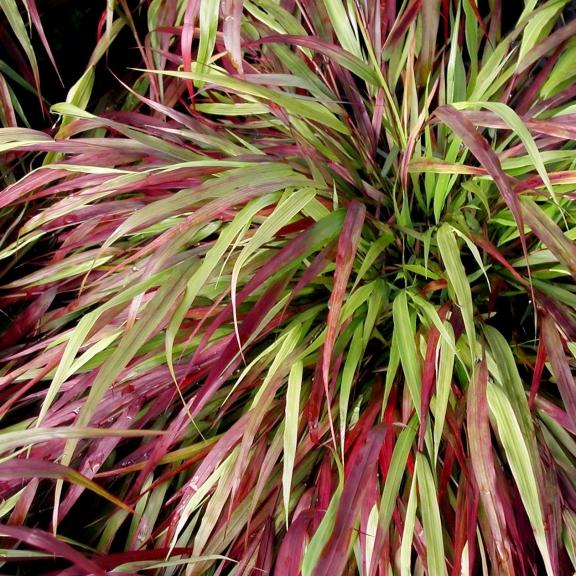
(406, 339)
(430, 517)
(457, 276)
(292, 417)
(519, 461)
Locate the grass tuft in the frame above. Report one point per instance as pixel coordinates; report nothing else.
(300, 300)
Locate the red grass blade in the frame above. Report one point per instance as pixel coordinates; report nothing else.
(190, 16)
(550, 235)
(361, 465)
(402, 24)
(346, 251)
(47, 542)
(289, 559)
(560, 366)
(537, 373)
(347, 245)
(429, 375)
(20, 469)
(27, 320)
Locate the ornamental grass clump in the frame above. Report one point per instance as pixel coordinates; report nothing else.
(301, 300)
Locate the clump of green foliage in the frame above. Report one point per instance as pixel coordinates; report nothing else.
(301, 301)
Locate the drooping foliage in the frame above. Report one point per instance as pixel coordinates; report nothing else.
(296, 296)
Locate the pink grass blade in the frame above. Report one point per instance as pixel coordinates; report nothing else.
(7, 112)
(430, 24)
(346, 59)
(478, 145)
(36, 20)
(483, 465)
(548, 44)
(232, 31)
